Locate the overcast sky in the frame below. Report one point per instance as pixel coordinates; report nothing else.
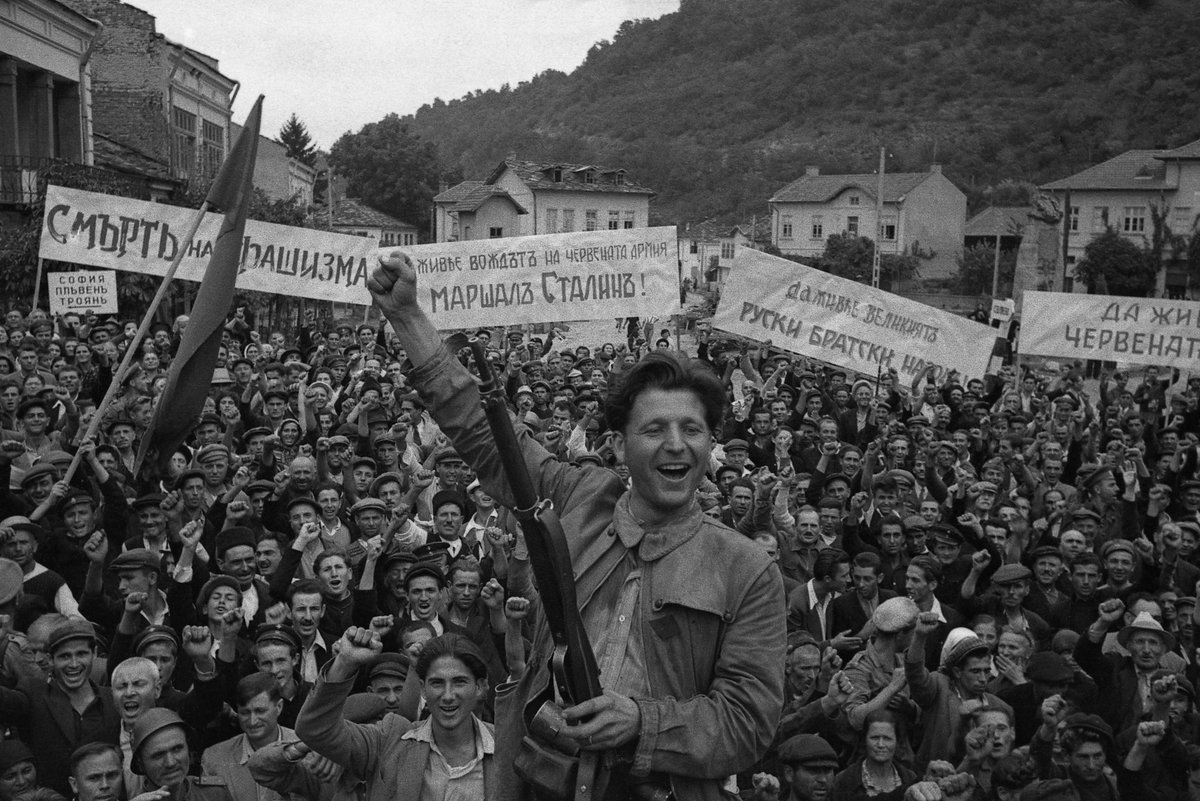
(340, 64)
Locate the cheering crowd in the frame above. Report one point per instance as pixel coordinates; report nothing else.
(798, 583)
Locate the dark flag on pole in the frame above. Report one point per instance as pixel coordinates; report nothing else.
(190, 376)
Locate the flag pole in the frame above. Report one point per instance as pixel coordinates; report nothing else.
(37, 284)
(118, 376)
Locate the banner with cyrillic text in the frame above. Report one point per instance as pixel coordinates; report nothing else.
(81, 292)
(810, 312)
(1138, 330)
(551, 278)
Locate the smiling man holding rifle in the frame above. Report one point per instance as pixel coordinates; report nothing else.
(685, 617)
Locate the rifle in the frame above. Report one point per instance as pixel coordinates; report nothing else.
(575, 674)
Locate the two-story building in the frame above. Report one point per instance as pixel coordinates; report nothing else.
(277, 174)
(923, 213)
(522, 198)
(158, 98)
(707, 250)
(352, 216)
(45, 74)
(1124, 194)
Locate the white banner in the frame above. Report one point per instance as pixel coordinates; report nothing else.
(84, 291)
(558, 277)
(806, 311)
(1138, 330)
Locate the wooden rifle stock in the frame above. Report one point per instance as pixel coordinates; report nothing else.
(575, 671)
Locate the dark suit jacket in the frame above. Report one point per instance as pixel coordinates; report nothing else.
(47, 722)
(1117, 681)
(802, 617)
(848, 429)
(847, 612)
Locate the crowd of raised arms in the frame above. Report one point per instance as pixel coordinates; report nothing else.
(990, 582)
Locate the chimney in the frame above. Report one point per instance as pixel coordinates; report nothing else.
(935, 168)
(811, 170)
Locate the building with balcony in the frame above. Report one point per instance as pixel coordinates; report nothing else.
(523, 198)
(45, 72)
(1127, 193)
(923, 214)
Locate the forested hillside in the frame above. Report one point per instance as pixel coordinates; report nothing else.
(718, 105)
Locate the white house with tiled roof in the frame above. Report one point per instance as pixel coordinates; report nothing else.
(924, 213)
(1122, 192)
(351, 216)
(544, 198)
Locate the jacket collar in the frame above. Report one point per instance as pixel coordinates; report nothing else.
(655, 542)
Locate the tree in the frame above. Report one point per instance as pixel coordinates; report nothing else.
(850, 256)
(294, 136)
(1112, 265)
(389, 168)
(978, 263)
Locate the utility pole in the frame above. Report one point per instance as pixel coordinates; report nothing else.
(875, 259)
(996, 269)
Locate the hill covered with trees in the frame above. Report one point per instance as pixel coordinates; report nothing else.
(719, 104)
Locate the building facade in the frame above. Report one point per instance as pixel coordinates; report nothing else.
(923, 214)
(1126, 194)
(46, 49)
(157, 97)
(523, 198)
(278, 175)
(351, 216)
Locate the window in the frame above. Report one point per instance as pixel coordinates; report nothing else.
(590, 220)
(786, 228)
(726, 250)
(589, 177)
(558, 175)
(620, 179)
(1074, 218)
(887, 230)
(1134, 220)
(855, 200)
(183, 157)
(495, 232)
(552, 221)
(212, 151)
(852, 226)
(1183, 220)
(627, 219)
(614, 221)
(694, 247)
(1099, 219)
(410, 239)
(568, 220)
(818, 228)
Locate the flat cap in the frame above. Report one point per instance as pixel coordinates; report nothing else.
(389, 665)
(1096, 476)
(136, 559)
(1118, 544)
(76, 496)
(1092, 723)
(944, 533)
(1011, 574)
(446, 497)
(1049, 667)
(447, 455)
(1084, 512)
(257, 431)
(368, 503)
(211, 453)
(38, 471)
(73, 629)
(737, 444)
(895, 615)
(1045, 552)
(303, 500)
(424, 568)
(983, 486)
(808, 750)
